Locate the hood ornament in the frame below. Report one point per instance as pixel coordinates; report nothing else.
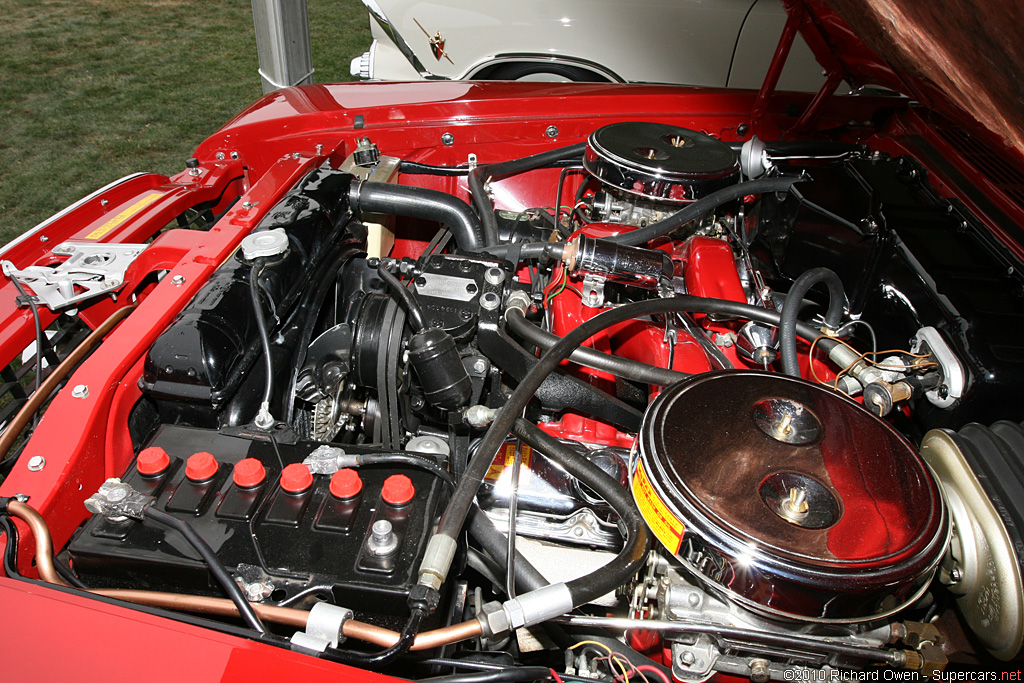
(436, 43)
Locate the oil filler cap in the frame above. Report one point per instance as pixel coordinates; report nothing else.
(152, 461)
(296, 478)
(201, 466)
(398, 490)
(249, 473)
(345, 484)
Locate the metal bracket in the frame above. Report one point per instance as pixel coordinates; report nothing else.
(91, 270)
(593, 291)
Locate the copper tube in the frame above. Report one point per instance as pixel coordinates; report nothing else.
(205, 605)
(424, 641)
(290, 616)
(44, 545)
(56, 376)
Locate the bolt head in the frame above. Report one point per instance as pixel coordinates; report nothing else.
(80, 391)
(480, 366)
(448, 139)
(551, 132)
(219, 156)
(686, 658)
(36, 463)
(234, 155)
(178, 280)
(117, 495)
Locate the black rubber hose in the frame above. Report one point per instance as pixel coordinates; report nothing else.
(507, 675)
(420, 202)
(212, 562)
(406, 298)
(527, 250)
(642, 236)
(454, 516)
(10, 547)
(621, 367)
(482, 529)
(386, 656)
(409, 460)
(791, 312)
(503, 169)
(631, 558)
(261, 324)
(416, 168)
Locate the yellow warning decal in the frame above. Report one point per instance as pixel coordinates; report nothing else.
(506, 457)
(124, 215)
(663, 523)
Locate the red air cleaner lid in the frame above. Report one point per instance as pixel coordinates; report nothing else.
(398, 490)
(296, 478)
(249, 473)
(200, 466)
(152, 461)
(345, 483)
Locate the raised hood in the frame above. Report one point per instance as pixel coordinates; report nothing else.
(961, 57)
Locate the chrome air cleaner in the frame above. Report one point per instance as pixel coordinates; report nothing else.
(660, 162)
(788, 498)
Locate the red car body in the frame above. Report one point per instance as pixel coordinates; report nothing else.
(245, 169)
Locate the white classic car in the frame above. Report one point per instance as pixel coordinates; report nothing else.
(722, 43)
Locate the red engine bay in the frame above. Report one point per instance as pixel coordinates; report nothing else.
(403, 323)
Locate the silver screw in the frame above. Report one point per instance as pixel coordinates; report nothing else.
(551, 132)
(448, 139)
(36, 463)
(956, 575)
(686, 658)
(319, 150)
(80, 391)
(44, 238)
(219, 156)
(104, 202)
(178, 280)
(234, 155)
(479, 366)
(247, 205)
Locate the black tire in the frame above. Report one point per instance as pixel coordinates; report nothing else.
(520, 70)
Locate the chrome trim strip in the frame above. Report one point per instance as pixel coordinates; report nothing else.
(378, 15)
(68, 209)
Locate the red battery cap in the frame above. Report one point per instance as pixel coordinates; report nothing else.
(249, 473)
(398, 490)
(201, 466)
(296, 478)
(152, 461)
(346, 483)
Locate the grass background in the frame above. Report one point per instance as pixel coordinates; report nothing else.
(92, 90)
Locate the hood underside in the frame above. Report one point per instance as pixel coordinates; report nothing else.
(951, 55)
